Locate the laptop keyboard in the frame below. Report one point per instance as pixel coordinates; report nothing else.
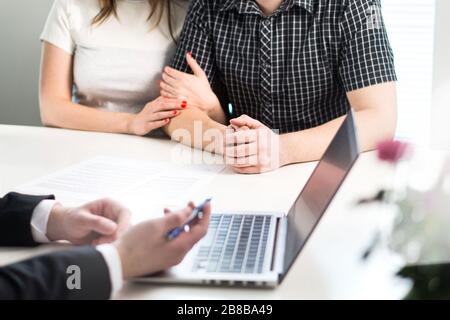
(234, 243)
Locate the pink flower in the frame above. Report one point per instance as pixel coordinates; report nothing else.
(391, 151)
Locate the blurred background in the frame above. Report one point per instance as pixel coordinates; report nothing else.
(418, 31)
(21, 23)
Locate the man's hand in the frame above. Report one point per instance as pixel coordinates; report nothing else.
(144, 249)
(98, 222)
(251, 147)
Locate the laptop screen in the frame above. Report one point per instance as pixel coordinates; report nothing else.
(320, 190)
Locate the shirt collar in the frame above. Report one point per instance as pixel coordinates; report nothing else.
(247, 6)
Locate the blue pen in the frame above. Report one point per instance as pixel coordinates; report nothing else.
(197, 213)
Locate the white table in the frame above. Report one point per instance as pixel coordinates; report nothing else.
(329, 267)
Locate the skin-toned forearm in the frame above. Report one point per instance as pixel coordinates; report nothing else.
(57, 109)
(63, 114)
(55, 97)
(376, 119)
(194, 128)
(309, 145)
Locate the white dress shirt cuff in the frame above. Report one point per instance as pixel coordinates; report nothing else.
(112, 258)
(39, 220)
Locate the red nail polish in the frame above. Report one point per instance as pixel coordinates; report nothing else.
(184, 104)
(189, 54)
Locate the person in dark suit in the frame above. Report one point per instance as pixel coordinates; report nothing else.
(88, 271)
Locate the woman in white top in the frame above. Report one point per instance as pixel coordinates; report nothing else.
(102, 62)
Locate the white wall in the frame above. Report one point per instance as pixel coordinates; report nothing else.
(411, 26)
(442, 42)
(21, 22)
(440, 121)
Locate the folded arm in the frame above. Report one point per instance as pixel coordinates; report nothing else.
(254, 148)
(376, 117)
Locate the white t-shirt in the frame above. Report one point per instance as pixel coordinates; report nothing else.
(117, 64)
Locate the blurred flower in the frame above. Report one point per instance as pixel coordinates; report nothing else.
(420, 200)
(391, 151)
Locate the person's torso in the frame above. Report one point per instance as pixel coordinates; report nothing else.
(282, 70)
(118, 63)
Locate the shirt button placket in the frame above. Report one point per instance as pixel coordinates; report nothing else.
(265, 71)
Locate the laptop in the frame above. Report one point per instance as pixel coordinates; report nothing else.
(257, 248)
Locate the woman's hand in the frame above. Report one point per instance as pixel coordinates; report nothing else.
(155, 114)
(145, 249)
(193, 88)
(101, 221)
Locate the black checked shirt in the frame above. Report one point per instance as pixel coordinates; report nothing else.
(290, 70)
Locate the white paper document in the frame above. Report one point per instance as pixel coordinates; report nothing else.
(146, 187)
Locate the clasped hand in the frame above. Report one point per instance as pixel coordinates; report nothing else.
(251, 147)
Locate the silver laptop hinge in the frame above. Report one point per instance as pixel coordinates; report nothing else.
(279, 245)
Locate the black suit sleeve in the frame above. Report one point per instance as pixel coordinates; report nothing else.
(15, 218)
(47, 277)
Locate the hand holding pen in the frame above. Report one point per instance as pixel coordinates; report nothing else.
(196, 215)
(145, 249)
